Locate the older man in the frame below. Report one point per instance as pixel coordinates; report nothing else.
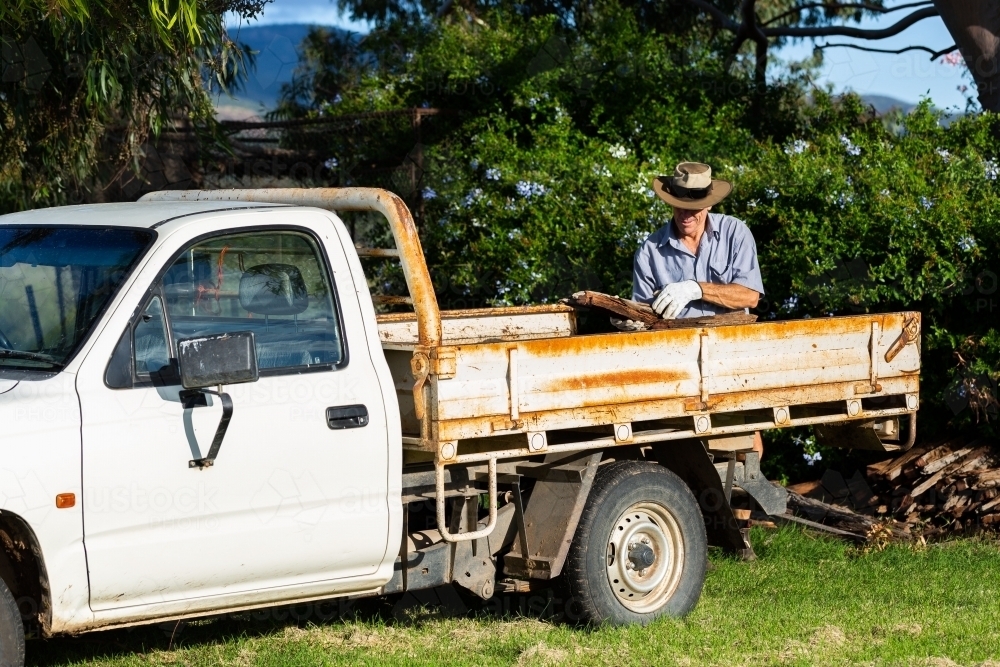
(700, 263)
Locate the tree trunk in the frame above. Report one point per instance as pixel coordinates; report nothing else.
(975, 25)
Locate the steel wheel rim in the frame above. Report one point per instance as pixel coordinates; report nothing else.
(645, 526)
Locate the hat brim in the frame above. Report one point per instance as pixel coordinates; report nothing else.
(720, 190)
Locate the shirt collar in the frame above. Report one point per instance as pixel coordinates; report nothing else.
(671, 238)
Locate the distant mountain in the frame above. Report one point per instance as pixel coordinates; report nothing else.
(884, 103)
(277, 48)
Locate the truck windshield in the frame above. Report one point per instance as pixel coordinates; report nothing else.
(54, 284)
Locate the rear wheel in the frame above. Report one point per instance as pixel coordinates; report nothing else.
(640, 549)
(11, 630)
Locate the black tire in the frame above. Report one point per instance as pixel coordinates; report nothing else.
(11, 630)
(663, 519)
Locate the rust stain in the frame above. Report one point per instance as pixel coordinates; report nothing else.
(479, 312)
(611, 379)
(794, 328)
(603, 343)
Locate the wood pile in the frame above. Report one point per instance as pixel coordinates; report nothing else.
(947, 486)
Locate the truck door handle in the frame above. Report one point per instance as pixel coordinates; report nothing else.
(347, 416)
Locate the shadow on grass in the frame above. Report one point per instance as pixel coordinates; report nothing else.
(783, 553)
(412, 610)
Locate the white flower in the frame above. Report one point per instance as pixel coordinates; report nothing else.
(471, 197)
(796, 147)
(990, 167)
(528, 189)
(849, 146)
(945, 155)
(601, 170)
(428, 193)
(812, 458)
(967, 243)
(492, 174)
(331, 163)
(926, 203)
(618, 151)
(771, 193)
(885, 192)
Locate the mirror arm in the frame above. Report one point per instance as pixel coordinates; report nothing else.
(220, 432)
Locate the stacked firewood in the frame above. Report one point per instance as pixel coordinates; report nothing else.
(945, 486)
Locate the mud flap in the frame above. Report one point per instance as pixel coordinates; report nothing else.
(692, 463)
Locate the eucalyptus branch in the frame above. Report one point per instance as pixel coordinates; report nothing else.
(749, 28)
(848, 31)
(934, 54)
(848, 5)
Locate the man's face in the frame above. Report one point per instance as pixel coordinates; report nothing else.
(690, 221)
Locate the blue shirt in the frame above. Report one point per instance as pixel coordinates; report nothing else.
(727, 254)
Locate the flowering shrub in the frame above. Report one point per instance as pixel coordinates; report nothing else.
(542, 186)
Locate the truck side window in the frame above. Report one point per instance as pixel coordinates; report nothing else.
(273, 283)
(150, 336)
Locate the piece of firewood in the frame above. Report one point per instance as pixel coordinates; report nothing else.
(944, 461)
(935, 454)
(990, 505)
(640, 312)
(893, 471)
(804, 488)
(623, 308)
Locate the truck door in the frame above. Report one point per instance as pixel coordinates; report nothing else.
(298, 493)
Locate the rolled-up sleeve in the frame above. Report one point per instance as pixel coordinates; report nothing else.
(745, 268)
(642, 275)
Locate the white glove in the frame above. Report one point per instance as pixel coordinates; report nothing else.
(674, 297)
(627, 325)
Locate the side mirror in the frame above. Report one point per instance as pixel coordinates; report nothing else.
(208, 361)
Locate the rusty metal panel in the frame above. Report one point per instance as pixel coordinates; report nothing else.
(581, 380)
(607, 369)
(478, 426)
(483, 325)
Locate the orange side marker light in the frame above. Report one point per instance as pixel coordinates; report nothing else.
(65, 500)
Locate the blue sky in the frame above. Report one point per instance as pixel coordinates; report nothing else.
(907, 77)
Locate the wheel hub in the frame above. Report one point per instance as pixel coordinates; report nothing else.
(645, 557)
(641, 556)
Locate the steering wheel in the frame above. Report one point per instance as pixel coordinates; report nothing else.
(5, 342)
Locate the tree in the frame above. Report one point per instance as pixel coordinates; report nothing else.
(753, 27)
(84, 82)
(975, 25)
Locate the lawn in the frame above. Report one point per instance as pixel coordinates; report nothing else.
(806, 601)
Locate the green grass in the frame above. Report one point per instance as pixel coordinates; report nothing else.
(806, 601)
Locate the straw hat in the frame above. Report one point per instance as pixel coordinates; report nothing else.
(691, 187)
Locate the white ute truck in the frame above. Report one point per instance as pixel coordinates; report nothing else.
(201, 412)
